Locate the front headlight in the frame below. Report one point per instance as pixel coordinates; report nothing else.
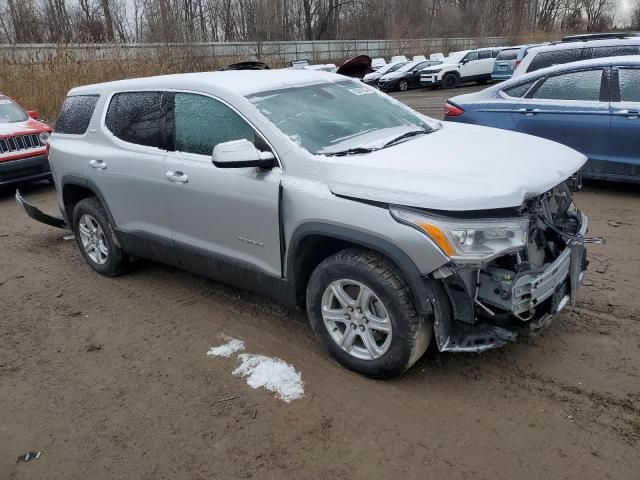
(467, 241)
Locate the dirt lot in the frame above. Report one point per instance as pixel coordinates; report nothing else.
(109, 378)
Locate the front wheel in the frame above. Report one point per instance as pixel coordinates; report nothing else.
(362, 311)
(450, 81)
(403, 85)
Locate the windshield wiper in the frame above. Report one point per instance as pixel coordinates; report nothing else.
(404, 136)
(351, 151)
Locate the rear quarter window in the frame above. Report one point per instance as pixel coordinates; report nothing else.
(135, 117)
(76, 114)
(554, 57)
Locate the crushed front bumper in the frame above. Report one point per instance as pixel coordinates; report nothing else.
(534, 301)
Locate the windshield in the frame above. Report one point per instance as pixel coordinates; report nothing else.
(10, 112)
(408, 66)
(332, 117)
(455, 57)
(392, 67)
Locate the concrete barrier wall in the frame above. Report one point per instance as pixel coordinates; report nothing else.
(276, 53)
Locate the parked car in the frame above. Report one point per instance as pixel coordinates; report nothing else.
(325, 194)
(583, 37)
(508, 60)
(419, 58)
(23, 151)
(373, 77)
(378, 63)
(460, 67)
(405, 77)
(399, 58)
(575, 51)
(592, 106)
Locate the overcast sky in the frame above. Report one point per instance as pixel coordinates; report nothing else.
(623, 13)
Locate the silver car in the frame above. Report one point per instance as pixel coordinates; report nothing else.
(390, 228)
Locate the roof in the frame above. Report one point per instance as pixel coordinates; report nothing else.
(240, 82)
(612, 42)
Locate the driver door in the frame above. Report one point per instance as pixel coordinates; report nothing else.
(221, 217)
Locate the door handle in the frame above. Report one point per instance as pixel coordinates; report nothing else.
(98, 164)
(630, 114)
(177, 177)
(529, 111)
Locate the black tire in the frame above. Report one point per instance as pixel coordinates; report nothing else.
(411, 333)
(117, 261)
(450, 80)
(403, 85)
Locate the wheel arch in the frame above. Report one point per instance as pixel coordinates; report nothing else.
(312, 243)
(75, 189)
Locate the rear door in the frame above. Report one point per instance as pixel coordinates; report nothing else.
(570, 108)
(126, 165)
(625, 122)
(485, 64)
(470, 67)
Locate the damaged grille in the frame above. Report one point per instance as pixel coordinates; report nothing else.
(19, 143)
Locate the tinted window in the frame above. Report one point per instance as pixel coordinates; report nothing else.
(572, 86)
(621, 50)
(76, 114)
(508, 54)
(519, 91)
(484, 54)
(629, 85)
(556, 57)
(135, 117)
(202, 122)
(471, 56)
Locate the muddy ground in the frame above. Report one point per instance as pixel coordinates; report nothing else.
(109, 378)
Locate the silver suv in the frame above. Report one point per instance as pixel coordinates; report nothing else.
(390, 228)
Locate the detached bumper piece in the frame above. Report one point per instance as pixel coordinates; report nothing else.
(40, 216)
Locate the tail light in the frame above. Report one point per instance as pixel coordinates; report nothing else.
(451, 110)
(518, 62)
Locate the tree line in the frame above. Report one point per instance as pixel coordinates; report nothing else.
(139, 21)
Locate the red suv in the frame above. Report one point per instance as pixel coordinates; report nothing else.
(23, 144)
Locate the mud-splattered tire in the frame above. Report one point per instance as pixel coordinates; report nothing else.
(388, 305)
(96, 239)
(450, 80)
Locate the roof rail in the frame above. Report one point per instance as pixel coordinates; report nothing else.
(585, 37)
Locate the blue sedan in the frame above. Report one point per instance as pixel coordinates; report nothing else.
(592, 106)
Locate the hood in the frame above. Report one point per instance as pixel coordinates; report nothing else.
(393, 75)
(458, 168)
(372, 76)
(28, 126)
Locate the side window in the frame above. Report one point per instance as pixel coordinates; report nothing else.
(76, 114)
(629, 84)
(622, 50)
(471, 56)
(583, 85)
(556, 57)
(519, 91)
(484, 54)
(202, 122)
(495, 53)
(135, 117)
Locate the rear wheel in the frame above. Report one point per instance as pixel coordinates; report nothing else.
(403, 85)
(362, 311)
(450, 80)
(96, 239)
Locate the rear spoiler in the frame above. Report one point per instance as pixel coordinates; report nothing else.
(38, 215)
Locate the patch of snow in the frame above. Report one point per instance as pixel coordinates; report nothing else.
(273, 374)
(226, 350)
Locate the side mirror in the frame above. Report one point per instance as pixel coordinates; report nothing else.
(241, 154)
(33, 114)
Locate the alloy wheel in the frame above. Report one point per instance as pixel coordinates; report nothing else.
(93, 239)
(356, 319)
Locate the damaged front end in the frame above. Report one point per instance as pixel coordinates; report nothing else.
(510, 275)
